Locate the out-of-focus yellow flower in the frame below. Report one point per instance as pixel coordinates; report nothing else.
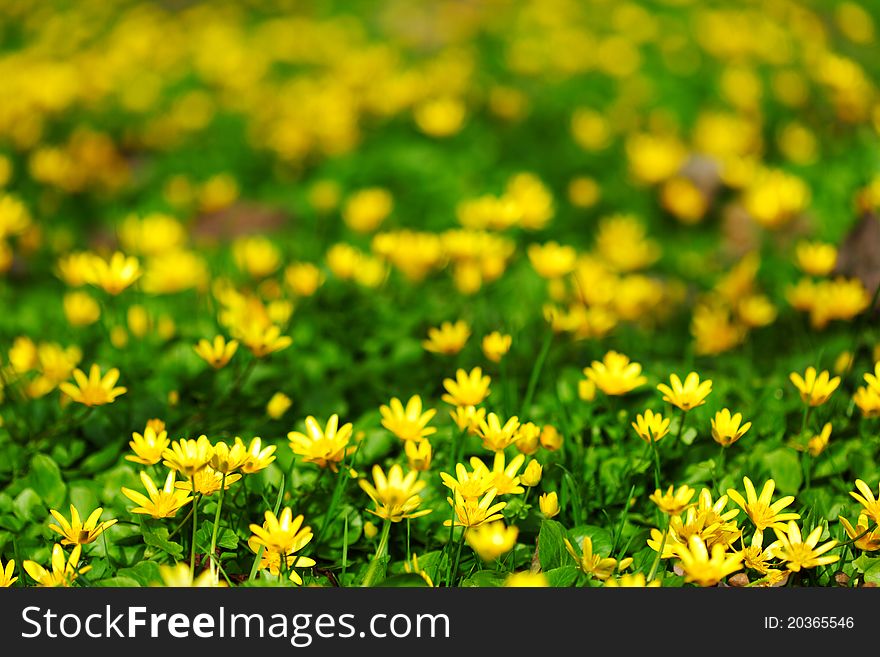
(370, 530)
(815, 389)
(615, 375)
(864, 540)
(623, 245)
(590, 129)
(448, 339)
(631, 581)
(418, 454)
(324, 195)
(188, 456)
(468, 418)
(473, 512)
(681, 197)
(303, 278)
(673, 501)
(550, 438)
(497, 437)
(584, 192)
(94, 390)
(259, 457)
(14, 216)
(775, 197)
(592, 564)
(367, 208)
(687, 395)
(868, 401)
(278, 405)
(587, 390)
(492, 539)
(180, 576)
(817, 444)
(705, 570)
(323, 447)
(256, 255)
(64, 571)
(440, 117)
(798, 552)
(727, 428)
(81, 309)
(151, 235)
(263, 340)
(407, 423)
(654, 158)
(549, 504)
(816, 258)
(217, 353)
(161, 503)
(113, 275)
(756, 311)
(714, 331)
(532, 198)
(526, 579)
(149, 447)
(495, 346)
(759, 508)
(651, 426)
(528, 438)
(467, 389)
(77, 532)
(552, 260)
(6, 574)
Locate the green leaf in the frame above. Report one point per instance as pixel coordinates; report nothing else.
(157, 537)
(45, 478)
(145, 573)
(600, 537)
(485, 578)
(102, 459)
(785, 468)
(563, 576)
(29, 506)
(551, 548)
(124, 582)
(406, 580)
(226, 538)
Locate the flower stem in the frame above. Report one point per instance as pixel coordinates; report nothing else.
(659, 553)
(536, 373)
(217, 524)
(192, 554)
(656, 465)
(458, 553)
(373, 570)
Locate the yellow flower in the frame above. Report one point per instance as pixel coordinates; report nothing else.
(81, 309)
(449, 339)
(407, 423)
(63, 572)
(469, 485)
(586, 390)
(673, 501)
(94, 390)
(208, 481)
(702, 569)
(114, 275)
(467, 389)
(259, 457)
(594, 564)
(160, 503)
(873, 380)
(801, 553)
(256, 255)
(816, 258)
(496, 437)
(756, 311)
(867, 500)
(367, 208)
(370, 530)
(149, 447)
(528, 438)
(473, 512)
(727, 428)
(325, 447)
(868, 401)
(864, 540)
(502, 477)
(303, 278)
(632, 581)
(278, 405)
(815, 390)
(526, 579)
(77, 532)
(651, 426)
(492, 539)
(180, 576)
(550, 438)
(188, 456)
(396, 496)
(759, 509)
(686, 396)
(552, 260)
(714, 331)
(468, 418)
(623, 245)
(263, 340)
(549, 504)
(495, 346)
(218, 353)
(6, 574)
(615, 375)
(817, 444)
(226, 459)
(439, 117)
(282, 534)
(532, 475)
(412, 566)
(418, 454)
